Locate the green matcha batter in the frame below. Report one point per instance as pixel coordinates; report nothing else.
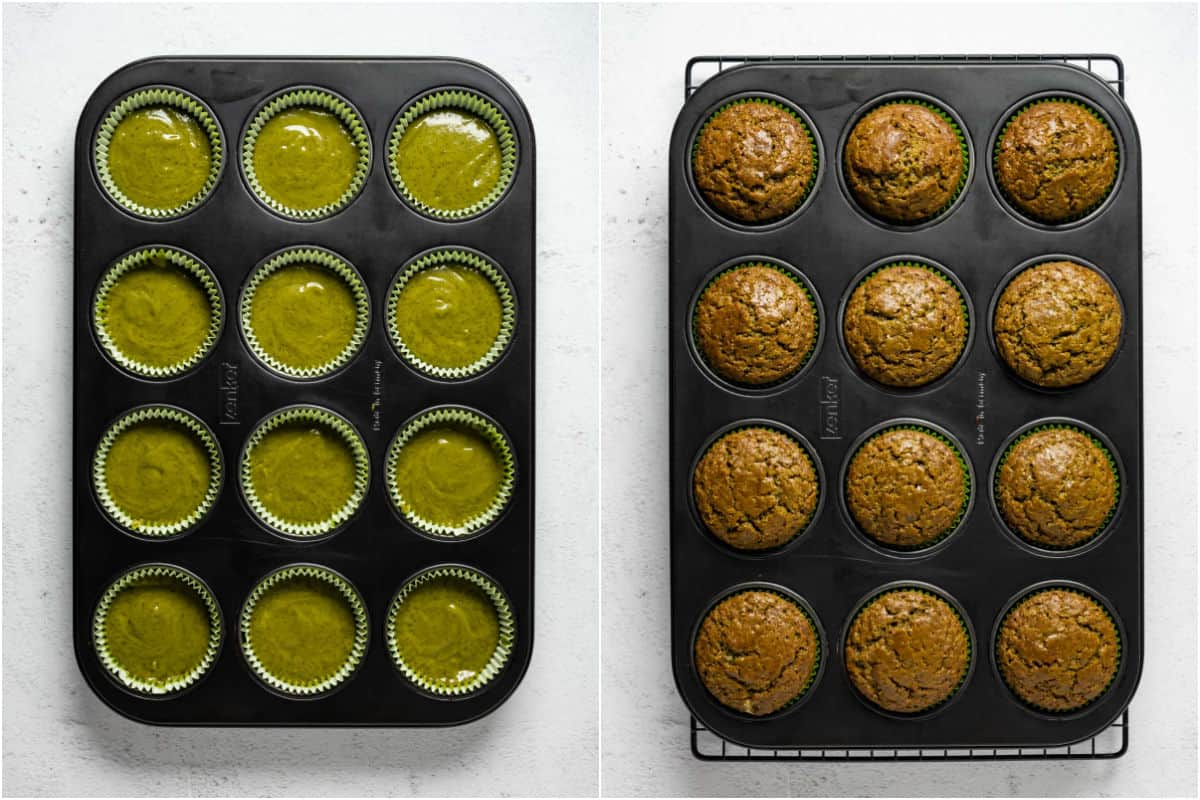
(446, 631)
(157, 314)
(304, 158)
(302, 631)
(157, 630)
(159, 157)
(303, 315)
(157, 472)
(448, 474)
(448, 316)
(449, 159)
(302, 473)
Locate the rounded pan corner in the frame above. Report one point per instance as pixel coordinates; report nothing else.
(98, 93)
(106, 699)
(502, 698)
(493, 75)
(1109, 92)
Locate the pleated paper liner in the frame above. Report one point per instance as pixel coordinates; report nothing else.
(158, 96)
(459, 257)
(471, 102)
(157, 413)
(339, 268)
(310, 415)
(461, 416)
(361, 629)
(140, 258)
(504, 646)
(324, 100)
(154, 573)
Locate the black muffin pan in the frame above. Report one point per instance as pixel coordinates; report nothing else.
(231, 391)
(981, 405)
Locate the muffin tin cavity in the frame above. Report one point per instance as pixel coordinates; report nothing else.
(237, 385)
(910, 406)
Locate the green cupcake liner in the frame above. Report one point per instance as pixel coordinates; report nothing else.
(807, 294)
(326, 101)
(1116, 671)
(812, 142)
(504, 647)
(471, 102)
(480, 264)
(1108, 456)
(334, 264)
(962, 679)
(968, 487)
(361, 629)
(996, 157)
(130, 578)
(168, 414)
(158, 96)
(134, 260)
(324, 418)
(481, 425)
(964, 149)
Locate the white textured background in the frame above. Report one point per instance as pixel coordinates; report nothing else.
(643, 52)
(58, 738)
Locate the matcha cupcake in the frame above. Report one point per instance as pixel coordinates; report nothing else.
(306, 154)
(304, 471)
(157, 312)
(451, 313)
(157, 629)
(158, 152)
(304, 630)
(450, 630)
(157, 471)
(450, 471)
(452, 153)
(305, 312)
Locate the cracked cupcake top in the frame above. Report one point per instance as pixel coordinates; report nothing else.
(755, 488)
(1058, 650)
(755, 325)
(905, 326)
(1056, 487)
(907, 651)
(1056, 160)
(1057, 324)
(756, 652)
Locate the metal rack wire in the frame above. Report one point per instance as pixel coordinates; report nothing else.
(1113, 741)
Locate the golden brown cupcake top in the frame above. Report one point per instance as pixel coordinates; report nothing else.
(755, 325)
(755, 488)
(1057, 324)
(756, 652)
(753, 161)
(1056, 487)
(907, 651)
(1056, 160)
(905, 326)
(1058, 650)
(904, 162)
(905, 488)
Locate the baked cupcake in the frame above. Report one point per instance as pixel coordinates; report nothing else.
(907, 651)
(1058, 650)
(1056, 160)
(757, 652)
(907, 488)
(755, 325)
(450, 630)
(1057, 324)
(1057, 487)
(905, 325)
(754, 160)
(905, 162)
(756, 488)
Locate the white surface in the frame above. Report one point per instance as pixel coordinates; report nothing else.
(643, 52)
(58, 738)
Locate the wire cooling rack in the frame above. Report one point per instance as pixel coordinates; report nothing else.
(1113, 741)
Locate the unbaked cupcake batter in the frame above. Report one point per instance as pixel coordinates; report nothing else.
(449, 159)
(447, 630)
(304, 158)
(448, 316)
(448, 474)
(159, 157)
